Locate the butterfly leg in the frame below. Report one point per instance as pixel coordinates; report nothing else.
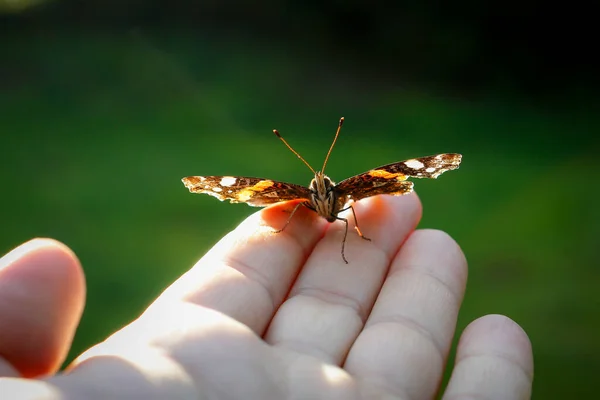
(345, 235)
(355, 223)
(290, 217)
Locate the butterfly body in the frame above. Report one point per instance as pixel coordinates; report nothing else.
(324, 198)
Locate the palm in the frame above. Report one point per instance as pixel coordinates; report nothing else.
(281, 316)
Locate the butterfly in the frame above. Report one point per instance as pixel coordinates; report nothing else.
(324, 196)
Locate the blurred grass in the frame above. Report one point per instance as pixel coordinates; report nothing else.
(97, 131)
(16, 6)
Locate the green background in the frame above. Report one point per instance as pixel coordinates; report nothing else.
(98, 125)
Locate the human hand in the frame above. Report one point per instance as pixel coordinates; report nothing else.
(270, 316)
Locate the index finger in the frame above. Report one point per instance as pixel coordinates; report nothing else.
(249, 272)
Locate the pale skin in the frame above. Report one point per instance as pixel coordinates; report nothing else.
(270, 316)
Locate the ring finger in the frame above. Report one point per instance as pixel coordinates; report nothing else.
(406, 340)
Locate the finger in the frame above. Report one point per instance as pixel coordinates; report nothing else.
(42, 292)
(330, 300)
(493, 361)
(249, 272)
(406, 340)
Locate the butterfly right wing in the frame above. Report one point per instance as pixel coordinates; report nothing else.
(392, 178)
(256, 192)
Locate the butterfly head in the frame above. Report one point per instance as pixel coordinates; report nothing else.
(323, 198)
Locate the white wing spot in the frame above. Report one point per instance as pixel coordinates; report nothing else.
(230, 191)
(217, 189)
(228, 181)
(430, 169)
(414, 164)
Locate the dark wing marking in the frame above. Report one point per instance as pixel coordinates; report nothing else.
(391, 178)
(255, 192)
(361, 189)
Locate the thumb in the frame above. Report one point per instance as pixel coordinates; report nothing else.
(42, 294)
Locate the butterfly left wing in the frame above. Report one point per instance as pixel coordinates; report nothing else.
(256, 192)
(391, 178)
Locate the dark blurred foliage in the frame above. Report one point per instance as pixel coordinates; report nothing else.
(105, 105)
(543, 49)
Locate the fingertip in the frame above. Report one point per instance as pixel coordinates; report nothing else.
(386, 220)
(304, 226)
(30, 247)
(435, 253)
(44, 258)
(42, 293)
(414, 197)
(441, 242)
(494, 360)
(500, 336)
(408, 203)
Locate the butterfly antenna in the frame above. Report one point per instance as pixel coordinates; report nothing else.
(339, 128)
(293, 151)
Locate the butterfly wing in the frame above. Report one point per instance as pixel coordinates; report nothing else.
(391, 178)
(256, 192)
